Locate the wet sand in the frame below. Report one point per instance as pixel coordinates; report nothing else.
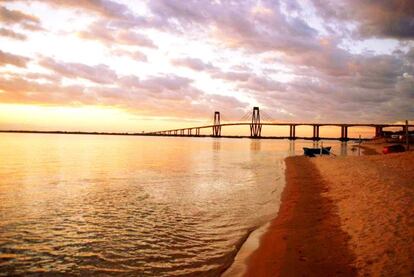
(305, 238)
(342, 216)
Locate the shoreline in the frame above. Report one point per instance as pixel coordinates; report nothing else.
(296, 241)
(252, 242)
(302, 240)
(170, 135)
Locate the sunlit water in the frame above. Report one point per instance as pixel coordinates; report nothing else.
(153, 206)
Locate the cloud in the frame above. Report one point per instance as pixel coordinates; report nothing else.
(263, 84)
(242, 24)
(214, 72)
(382, 18)
(171, 96)
(106, 8)
(232, 76)
(101, 73)
(193, 63)
(8, 58)
(12, 34)
(252, 46)
(135, 55)
(110, 35)
(168, 82)
(27, 21)
(19, 90)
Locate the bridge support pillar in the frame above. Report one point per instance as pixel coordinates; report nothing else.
(344, 133)
(379, 132)
(175, 132)
(292, 132)
(189, 132)
(216, 126)
(315, 132)
(197, 131)
(255, 126)
(182, 132)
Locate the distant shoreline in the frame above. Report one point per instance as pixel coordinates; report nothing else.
(156, 135)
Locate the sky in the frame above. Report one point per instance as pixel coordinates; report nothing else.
(132, 66)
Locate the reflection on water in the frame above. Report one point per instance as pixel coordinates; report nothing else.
(134, 205)
(292, 148)
(255, 145)
(344, 148)
(216, 145)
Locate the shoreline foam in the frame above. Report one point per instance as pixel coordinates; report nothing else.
(239, 265)
(252, 242)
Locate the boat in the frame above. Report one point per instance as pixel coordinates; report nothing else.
(396, 148)
(311, 152)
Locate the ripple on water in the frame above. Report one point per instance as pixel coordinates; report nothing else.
(130, 215)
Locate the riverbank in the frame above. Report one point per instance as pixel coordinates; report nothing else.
(341, 216)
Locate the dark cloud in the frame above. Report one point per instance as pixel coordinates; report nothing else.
(376, 88)
(238, 24)
(380, 18)
(388, 18)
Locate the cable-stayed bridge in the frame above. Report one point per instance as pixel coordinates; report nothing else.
(258, 120)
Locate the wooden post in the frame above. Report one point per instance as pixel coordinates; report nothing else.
(346, 132)
(321, 148)
(407, 138)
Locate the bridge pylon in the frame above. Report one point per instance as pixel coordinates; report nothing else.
(255, 126)
(217, 126)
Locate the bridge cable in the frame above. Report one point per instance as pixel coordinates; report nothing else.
(267, 117)
(246, 116)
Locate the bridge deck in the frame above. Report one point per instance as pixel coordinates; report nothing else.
(288, 124)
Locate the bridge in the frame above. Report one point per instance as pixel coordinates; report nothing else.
(256, 126)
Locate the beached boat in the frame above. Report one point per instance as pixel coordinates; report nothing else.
(393, 149)
(311, 152)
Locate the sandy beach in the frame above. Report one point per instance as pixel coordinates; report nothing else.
(342, 216)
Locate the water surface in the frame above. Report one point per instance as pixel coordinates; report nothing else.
(148, 206)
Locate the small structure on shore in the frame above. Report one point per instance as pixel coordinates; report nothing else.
(312, 152)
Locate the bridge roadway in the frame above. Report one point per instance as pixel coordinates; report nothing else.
(292, 132)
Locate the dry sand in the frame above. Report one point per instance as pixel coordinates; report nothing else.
(342, 216)
(375, 200)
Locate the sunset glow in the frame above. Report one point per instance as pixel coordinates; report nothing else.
(206, 138)
(132, 66)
